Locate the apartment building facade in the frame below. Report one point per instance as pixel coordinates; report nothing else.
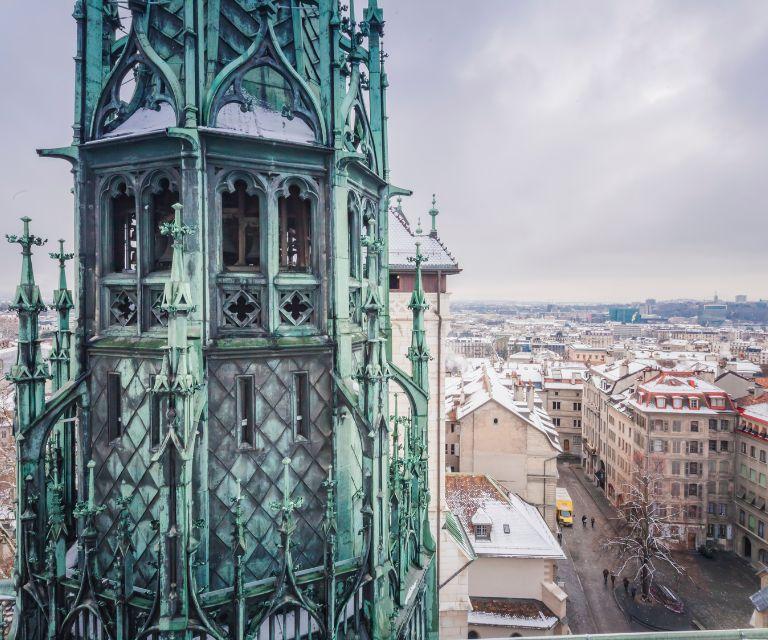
(684, 428)
(680, 426)
(751, 492)
(563, 402)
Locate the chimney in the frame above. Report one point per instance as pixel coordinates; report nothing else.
(624, 369)
(530, 399)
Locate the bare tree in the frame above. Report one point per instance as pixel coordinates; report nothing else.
(644, 544)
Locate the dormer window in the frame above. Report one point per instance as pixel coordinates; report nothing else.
(717, 401)
(677, 402)
(694, 402)
(661, 402)
(481, 523)
(483, 532)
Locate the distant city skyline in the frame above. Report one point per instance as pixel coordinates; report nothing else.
(579, 150)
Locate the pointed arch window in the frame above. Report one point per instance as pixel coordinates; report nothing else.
(353, 233)
(123, 210)
(295, 232)
(162, 212)
(241, 229)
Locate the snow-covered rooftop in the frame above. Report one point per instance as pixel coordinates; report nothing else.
(517, 529)
(402, 245)
(473, 389)
(511, 612)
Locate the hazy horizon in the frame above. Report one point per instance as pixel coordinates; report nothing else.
(580, 150)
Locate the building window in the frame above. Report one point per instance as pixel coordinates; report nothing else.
(240, 229)
(162, 212)
(725, 425)
(695, 426)
(677, 426)
(742, 517)
(761, 528)
(157, 410)
(722, 531)
(744, 447)
(713, 445)
(577, 406)
(713, 425)
(123, 231)
(661, 402)
(693, 446)
(353, 230)
(711, 509)
(675, 468)
(245, 410)
(694, 402)
(556, 406)
(394, 281)
(724, 447)
(114, 406)
(495, 421)
(301, 417)
(556, 422)
(674, 490)
(295, 232)
(723, 509)
(483, 531)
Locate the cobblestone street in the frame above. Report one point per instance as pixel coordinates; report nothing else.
(716, 592)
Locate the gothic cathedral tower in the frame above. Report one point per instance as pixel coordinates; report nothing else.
(215, 457)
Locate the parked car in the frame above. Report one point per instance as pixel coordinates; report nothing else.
(664, 595)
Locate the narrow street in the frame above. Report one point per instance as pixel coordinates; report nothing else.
(591, 605)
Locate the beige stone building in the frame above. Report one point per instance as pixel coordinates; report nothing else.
(514, 442)
(587, 354)
(512, 577)
(440, 264)
(562, 398)
(602, 383)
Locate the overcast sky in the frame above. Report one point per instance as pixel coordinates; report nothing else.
(581, 150)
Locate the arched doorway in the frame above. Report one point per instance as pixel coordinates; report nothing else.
(566, 445)
(747, 547)
(473, 634)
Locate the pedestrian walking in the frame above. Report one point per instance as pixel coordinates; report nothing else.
(584, 521)
(560, 537)
(613, 581)
(592, 520)
(605, 577)
(634, 591)
(626, 584)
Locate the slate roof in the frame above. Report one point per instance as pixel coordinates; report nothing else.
(402, 245)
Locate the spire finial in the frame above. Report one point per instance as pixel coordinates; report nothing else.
(419, 230)
(433, 212)
(27, 241)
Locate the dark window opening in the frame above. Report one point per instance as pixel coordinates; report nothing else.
(245, 410)
(241, 237)
(162, 213)
(295, 232)
(123, 232)
(394, 281)
(114, 406)
(354, 244)
(157, 414)
(301, 404)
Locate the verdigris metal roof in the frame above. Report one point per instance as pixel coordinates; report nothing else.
(402, 245)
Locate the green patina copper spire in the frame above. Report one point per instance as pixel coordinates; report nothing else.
(433, 212)
(30, 371)
(418, 353)
(62, 339)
